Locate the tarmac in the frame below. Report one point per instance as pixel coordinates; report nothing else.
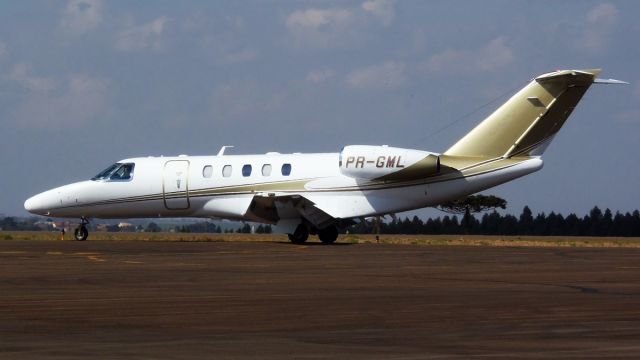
(177, 300)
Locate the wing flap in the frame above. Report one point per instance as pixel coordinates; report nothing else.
(270, 208)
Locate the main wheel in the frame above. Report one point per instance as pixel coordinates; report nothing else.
(81, 233)
(300, 235)
(328, 235)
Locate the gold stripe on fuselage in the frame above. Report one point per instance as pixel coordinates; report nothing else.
(468, 167)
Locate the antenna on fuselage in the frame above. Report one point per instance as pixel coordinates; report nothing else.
(222, 149)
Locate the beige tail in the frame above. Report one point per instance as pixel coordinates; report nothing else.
(526, 124)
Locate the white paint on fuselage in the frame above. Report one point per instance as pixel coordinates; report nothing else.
(336, 194)
(69, 200)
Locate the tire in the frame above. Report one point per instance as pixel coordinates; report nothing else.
(81, 233)
(328, 235)
(300, 235)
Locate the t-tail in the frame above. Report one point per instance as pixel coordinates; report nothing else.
(528, 121)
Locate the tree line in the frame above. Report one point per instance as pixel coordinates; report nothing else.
(11, 223)
(207, 227)
(595, 223)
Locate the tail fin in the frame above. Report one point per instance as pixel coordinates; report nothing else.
(526, 123)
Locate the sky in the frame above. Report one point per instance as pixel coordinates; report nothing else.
(84, 83)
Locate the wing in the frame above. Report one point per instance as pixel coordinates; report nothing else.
(270, 209)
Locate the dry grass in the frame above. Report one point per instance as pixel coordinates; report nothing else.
(497, 240)
(144, 236)
(451, 240)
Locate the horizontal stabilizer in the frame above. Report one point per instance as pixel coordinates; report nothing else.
(610, 81)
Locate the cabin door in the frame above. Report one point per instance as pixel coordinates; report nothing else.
(175, 184)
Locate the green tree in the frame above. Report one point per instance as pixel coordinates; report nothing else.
(472, 204)
(9, 223)
(490, 224)
(573, 225)
(525, 224)
(153, 227)
(606, 223)
(245, 229)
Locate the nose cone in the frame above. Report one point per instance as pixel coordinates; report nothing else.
(36, 205)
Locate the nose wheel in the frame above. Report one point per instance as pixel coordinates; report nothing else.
(81, 233)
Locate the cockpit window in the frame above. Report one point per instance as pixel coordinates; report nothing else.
(104, 174)
(124, 172)
(117, 172)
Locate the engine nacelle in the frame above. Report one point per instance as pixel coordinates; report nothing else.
(387, 163)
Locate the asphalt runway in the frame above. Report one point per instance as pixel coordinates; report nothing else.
(177, 300)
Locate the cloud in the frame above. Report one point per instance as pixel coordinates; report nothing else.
(600, 21)
(319, 27)
(81, 16)
(389, 74)
(225, 50)
(225, 42)
(493, 56)
(319, 76)
(21, 73)
(382, 9)
(143, 37)
(603, 14)
(337, 27)
(79, 101)
(318, 18)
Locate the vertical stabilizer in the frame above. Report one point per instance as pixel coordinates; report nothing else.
(527, 122)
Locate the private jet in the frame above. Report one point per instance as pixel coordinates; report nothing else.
(320, 193)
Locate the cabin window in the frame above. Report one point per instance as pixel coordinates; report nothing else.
(207, 171)
(246, 170)
(266, 170)
(286, 169)
(226, 171)
(123, 173)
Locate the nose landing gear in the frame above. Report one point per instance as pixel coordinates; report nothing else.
(81, 233)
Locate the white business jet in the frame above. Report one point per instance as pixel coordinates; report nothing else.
(306, 194)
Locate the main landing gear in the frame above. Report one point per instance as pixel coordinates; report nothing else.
(81, 233)
(300, 234)
(327, 235)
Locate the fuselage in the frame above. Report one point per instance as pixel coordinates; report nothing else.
(225, 186)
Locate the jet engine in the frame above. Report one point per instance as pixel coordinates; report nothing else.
(387, 163)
